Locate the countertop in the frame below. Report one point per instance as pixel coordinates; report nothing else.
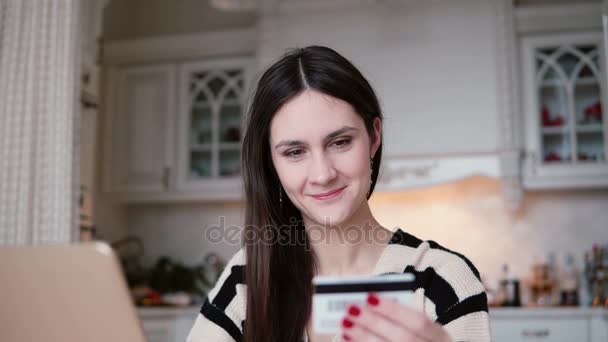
(544, 312)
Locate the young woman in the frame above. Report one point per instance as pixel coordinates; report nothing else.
(310, 159)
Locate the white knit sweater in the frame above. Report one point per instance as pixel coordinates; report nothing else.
(449, 291)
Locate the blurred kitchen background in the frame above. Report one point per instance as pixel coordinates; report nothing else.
(495, 143)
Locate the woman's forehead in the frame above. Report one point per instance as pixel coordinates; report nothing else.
(312, 115)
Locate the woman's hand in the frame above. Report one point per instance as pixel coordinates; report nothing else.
(388, 321)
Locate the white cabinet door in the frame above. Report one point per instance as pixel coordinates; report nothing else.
(212, 107)
(139, 128)
(539, 329)
(167, 324)
(599, 326)
(563, 93)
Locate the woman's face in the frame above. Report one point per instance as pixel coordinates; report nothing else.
(321, 151)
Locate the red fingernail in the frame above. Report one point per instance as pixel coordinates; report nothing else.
(354, 310)
(372, 299)
(346, 337)
(347, 323)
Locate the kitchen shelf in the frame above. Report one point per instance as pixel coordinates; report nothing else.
(555, 130)
(594, 128)
(200, 147)
(563, 90)
(230, 146)
(211, 164)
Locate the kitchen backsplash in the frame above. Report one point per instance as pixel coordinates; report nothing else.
(468, 216)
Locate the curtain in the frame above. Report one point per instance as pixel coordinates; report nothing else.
(39, 70)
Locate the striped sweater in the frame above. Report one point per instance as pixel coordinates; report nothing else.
(448, 290)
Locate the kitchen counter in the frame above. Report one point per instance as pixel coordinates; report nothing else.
(167, 311)
(167, 324)
(548, 312)
(554, 324)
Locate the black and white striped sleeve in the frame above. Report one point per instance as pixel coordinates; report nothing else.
(461, 304)
(448, 285)
(222, 315)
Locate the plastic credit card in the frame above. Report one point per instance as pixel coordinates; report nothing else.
(333, 296)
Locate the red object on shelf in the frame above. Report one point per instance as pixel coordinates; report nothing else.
(546, 118)
(558, 122)
(594, 111)
(553, 157)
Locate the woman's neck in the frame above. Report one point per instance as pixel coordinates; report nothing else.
(352, 247)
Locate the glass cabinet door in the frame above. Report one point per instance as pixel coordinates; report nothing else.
(215, 109)
(570, 87)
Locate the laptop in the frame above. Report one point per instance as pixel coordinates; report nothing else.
(66, 293)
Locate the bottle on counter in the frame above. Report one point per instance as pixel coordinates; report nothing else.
(553, 277)
(509, 287)
(541, 285)
(598, 276)
(568, 283)
(585, 283)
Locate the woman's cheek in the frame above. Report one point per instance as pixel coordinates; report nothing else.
(354, 165)
(292, 177)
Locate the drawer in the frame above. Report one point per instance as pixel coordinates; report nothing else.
(538, 329)
(157, 330)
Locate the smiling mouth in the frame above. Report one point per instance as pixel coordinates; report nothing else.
(329, 195)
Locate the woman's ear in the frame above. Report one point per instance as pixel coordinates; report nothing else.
(377, 138)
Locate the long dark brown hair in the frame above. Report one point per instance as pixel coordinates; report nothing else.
(279, 261)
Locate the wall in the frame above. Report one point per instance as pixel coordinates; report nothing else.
(178, 231)
(468, 216)
(433, 64)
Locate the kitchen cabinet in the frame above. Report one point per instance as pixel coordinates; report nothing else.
(550, 324)
(174, 124)
(564, 91)
(446, 72)
(167, 324)
(507, 324)
(139, 134)
(211, 124)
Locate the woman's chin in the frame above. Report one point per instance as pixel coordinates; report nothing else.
(331, 217)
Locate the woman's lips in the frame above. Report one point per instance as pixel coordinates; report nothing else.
(329, 195)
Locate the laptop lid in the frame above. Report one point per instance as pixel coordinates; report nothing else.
(68, 293)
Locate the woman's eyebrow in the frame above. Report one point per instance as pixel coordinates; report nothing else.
(327, 137)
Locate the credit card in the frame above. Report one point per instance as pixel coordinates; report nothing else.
(333, 296)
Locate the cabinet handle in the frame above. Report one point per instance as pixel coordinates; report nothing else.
(535, 333)
(166, 173)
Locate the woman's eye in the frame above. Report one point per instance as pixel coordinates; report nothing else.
(342, 142)
(294, 153)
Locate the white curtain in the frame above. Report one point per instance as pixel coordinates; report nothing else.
(39, 66)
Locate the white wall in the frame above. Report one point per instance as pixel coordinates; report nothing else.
(178, 231)
(471, 217)
(468, 217)
(432, 63)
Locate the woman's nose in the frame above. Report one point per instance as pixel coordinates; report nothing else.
(322, 170)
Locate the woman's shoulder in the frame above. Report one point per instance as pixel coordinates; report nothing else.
(229, 289)
(237, 258)
(448, 278)
(222, 315)
(232, 274)
(428, 258)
